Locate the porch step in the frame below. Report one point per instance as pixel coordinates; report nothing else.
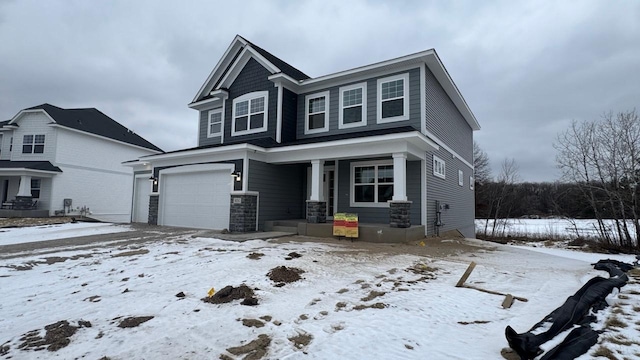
(290, 229)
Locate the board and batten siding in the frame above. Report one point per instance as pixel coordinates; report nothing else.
(289, 113)
(372, 91)
(378, 215)
(203, 128)
(445, 121)
(460, 199)
(280, 189)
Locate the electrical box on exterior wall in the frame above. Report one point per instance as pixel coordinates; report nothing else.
(67, 202)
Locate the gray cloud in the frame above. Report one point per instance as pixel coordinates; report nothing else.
(526, 68)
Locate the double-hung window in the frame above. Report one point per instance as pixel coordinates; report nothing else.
(215, 123)
(35, 188)
(372, 184)
(353, 108)
(33, 144)
(439, 167)
(250, 114)
(460, 178)
(316, 113)
(393, 98)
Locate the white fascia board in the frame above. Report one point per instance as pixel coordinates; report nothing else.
(15, 118)
(442, 75)
(246, 54)
(450, 150)
(104, 138)
(412, 143)
(281, 79)
(200, 104)
(197, 168)
(30, 172)
(202, 152)
(237, 43)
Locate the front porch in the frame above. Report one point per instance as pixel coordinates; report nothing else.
(369, 232)
(31, 213)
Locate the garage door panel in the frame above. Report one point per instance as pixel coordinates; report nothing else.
(197, 199)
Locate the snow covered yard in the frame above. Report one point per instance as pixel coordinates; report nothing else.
(353, 302)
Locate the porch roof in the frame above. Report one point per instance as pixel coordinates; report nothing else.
(19, 167)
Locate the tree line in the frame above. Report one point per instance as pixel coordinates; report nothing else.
(600, 165)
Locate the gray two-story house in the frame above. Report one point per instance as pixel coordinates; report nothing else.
(391, 142)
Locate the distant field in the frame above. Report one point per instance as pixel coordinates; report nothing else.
(556, 228)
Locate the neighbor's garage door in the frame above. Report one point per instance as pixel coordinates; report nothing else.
(141, 200)
(197, 199)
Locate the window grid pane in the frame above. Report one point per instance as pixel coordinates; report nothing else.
(242, 108)
(27, 139)
(392, 89)
(316, 105)
(257, 105)
(352, 97)
(215, 118)
(373, 183)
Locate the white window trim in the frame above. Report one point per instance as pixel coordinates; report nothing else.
(248, 97)
(218, 110)
(443, 174)
(352, 202)
(405, 98)
(362, 86)
(326, 112)
(471, 183)
(460, 178)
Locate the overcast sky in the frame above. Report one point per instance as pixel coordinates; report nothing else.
(526, 68)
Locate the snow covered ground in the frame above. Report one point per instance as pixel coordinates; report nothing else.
(29, 234)
(419, 313)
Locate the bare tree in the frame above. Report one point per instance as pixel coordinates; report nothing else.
(481, 167)
(509, 175)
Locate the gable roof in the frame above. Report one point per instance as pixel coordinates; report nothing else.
(93, 121)
(280, 64)
(31, 165)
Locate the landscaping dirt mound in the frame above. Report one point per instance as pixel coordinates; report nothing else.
(56, 337)
(230, 293)
(254, 350)
(134, 321)
(283, 274)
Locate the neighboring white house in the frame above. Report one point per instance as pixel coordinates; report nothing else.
(49, 154)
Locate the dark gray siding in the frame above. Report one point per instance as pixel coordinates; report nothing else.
(280, 188)
(460, 199)
(445, 121)
(378, 215)
(203, 129)
(289, 113)
(334, 102)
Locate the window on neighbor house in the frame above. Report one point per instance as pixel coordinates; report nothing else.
(460, 178)
(353, 111)
(35, 188)
(215, 123)
(317, 113)
(250, 114)
(393, 98)
(439, 169)
(372, 184)
(11, 144)
(33, 144)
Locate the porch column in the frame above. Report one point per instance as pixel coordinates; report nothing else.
(399, 177)
(399, 207)
(23, 198)
(316, 206)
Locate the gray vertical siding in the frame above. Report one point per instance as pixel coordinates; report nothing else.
(281, 190)
(445, 121)
(289, 113)
(378, 215)
(460, 215)
(334, 103)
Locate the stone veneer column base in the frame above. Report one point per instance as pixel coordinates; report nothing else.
(244, 211)
(316, 212)
(153, 209)
(23, 203)
(400, 214)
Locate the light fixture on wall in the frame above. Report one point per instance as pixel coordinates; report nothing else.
(237, 175)
(154, 180)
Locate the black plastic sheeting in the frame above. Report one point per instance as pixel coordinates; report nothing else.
(578, 311)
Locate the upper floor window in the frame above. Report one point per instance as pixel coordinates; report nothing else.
(460, 178)
(250, 114)
(33, 144)
(353, 109)
(372, 183)
(439, 168)
(215, 123)
(316, 113)
(393, 98)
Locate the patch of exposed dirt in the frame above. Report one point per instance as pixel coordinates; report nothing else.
(134, 321)
(293, 255)
(252, 323)
(56, 337)
(473, 322)
(255, 256)
(301, 340)
(283, 274)
(230, 293)
(254, 350)
(24, 222)
(131, 253)
(372, 306)
(372, 295)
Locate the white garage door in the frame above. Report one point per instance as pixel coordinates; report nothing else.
(195, 199)
(141, 200)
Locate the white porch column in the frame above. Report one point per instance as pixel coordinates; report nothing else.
(399, 177)
(317, 171)
(25, 186)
